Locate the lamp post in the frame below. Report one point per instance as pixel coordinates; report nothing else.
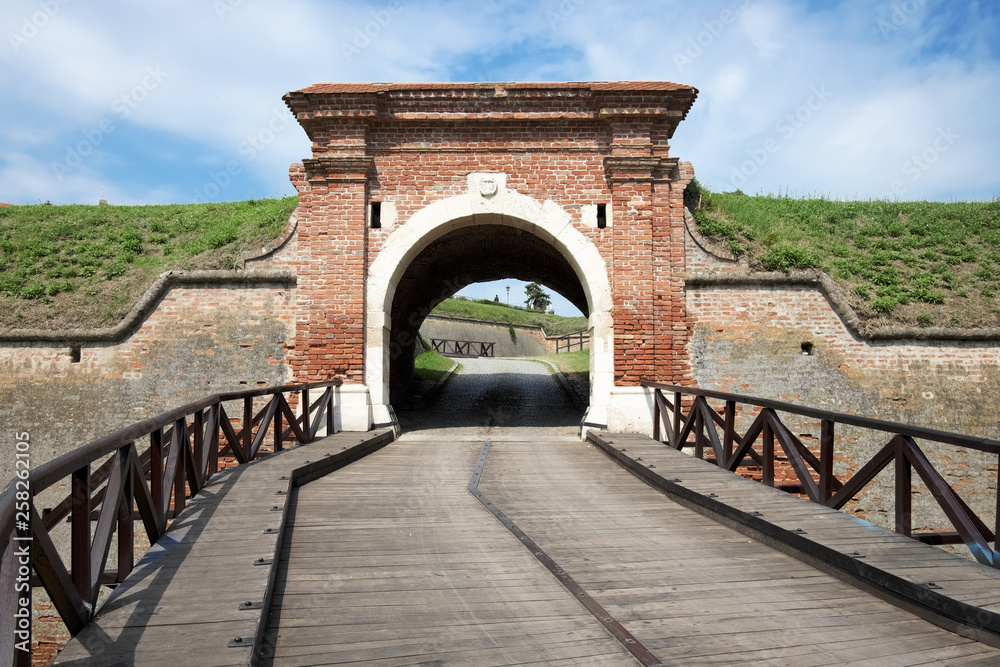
(508, 295)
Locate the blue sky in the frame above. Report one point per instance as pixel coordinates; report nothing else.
(177, 100)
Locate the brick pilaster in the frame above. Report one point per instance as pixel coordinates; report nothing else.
(332, 237)
(668, 258)
(631, 181)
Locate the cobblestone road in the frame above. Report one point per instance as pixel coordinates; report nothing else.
(493, 397)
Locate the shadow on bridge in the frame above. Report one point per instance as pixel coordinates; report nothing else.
(489, 393)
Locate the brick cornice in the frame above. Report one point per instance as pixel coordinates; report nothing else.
(339, 168)
(669, 170)
(620, 169)
(331, 105)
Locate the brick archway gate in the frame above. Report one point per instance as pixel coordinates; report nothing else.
(580, 170)
(494, 214)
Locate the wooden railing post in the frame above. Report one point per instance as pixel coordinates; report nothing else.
(699, 432)
(730, 434)
(80, 531)
(156, 475)
(180, 441)
(656, 414)
(278, 399)
(768, 474)
(677, 419)
(329, 414)
(904, 481)
(826, 460)
(247, 424)
(213, 441)
(306, 422)
(126, 527)
(199, 444)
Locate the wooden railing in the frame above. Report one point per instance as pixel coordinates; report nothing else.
(186, 446)
(567, 342)
(696, 424)
(462, 348)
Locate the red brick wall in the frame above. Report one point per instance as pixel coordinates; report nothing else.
(330, 265)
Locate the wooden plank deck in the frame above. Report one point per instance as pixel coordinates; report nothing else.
(185, 601)
(695, 591)
(421, 573)
(954, 592)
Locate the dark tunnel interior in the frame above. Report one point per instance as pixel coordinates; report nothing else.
(472, 254)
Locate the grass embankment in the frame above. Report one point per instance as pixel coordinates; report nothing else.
(491, 311)
(577, 361)
(918, 263)
(86, 266)
(431, 366)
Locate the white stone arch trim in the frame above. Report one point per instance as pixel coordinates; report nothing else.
(544, 219)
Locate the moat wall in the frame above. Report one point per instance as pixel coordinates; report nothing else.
(509, 340)
(198, 340)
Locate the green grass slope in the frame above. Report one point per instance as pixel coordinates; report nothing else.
(431, 366)
(917, 263)
(491, 311)
(924, 263)
(577, 361)
(86, 266)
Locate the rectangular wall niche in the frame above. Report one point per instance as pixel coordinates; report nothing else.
(595, 215)
(376, 215)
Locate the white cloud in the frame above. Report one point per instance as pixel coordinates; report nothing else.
(769, 27)
(754, 62)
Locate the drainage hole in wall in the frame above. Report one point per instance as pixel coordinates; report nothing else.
(807, 348)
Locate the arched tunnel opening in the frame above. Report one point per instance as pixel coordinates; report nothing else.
(470, 254)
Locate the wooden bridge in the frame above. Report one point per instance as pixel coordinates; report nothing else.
(276, 545)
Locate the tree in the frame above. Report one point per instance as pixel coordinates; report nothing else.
(537, 299)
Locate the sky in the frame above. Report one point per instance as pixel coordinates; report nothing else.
(180, 100)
